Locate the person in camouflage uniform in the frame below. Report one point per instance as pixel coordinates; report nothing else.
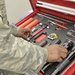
(20, 57)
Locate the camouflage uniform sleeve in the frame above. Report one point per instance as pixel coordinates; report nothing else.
(14, 29)
(18, 55)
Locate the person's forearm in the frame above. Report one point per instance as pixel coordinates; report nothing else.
(21, 56)
(14, 29)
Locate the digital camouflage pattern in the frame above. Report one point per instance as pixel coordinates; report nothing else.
(17, 56)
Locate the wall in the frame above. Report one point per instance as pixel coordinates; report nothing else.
(16, 9)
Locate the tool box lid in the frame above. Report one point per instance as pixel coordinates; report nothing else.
(61, 8)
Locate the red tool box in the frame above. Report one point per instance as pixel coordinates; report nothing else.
(50, 21)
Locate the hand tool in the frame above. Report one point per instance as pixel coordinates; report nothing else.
(38, 31)
(26, 23)
(43, 43)
(53, 36)
(34, 29)
(39, 37)
(71, 33)
(68, 44)
(58, 25)
(57, 41)
(33, 23)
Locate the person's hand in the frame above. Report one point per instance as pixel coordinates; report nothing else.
(24, 33)
(56, 53)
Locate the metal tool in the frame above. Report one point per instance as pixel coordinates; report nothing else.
(52, 36)
(43, 43)
(71, 33)
(68, 44)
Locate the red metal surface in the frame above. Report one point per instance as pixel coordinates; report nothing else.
(33, 4)
(70, 69)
